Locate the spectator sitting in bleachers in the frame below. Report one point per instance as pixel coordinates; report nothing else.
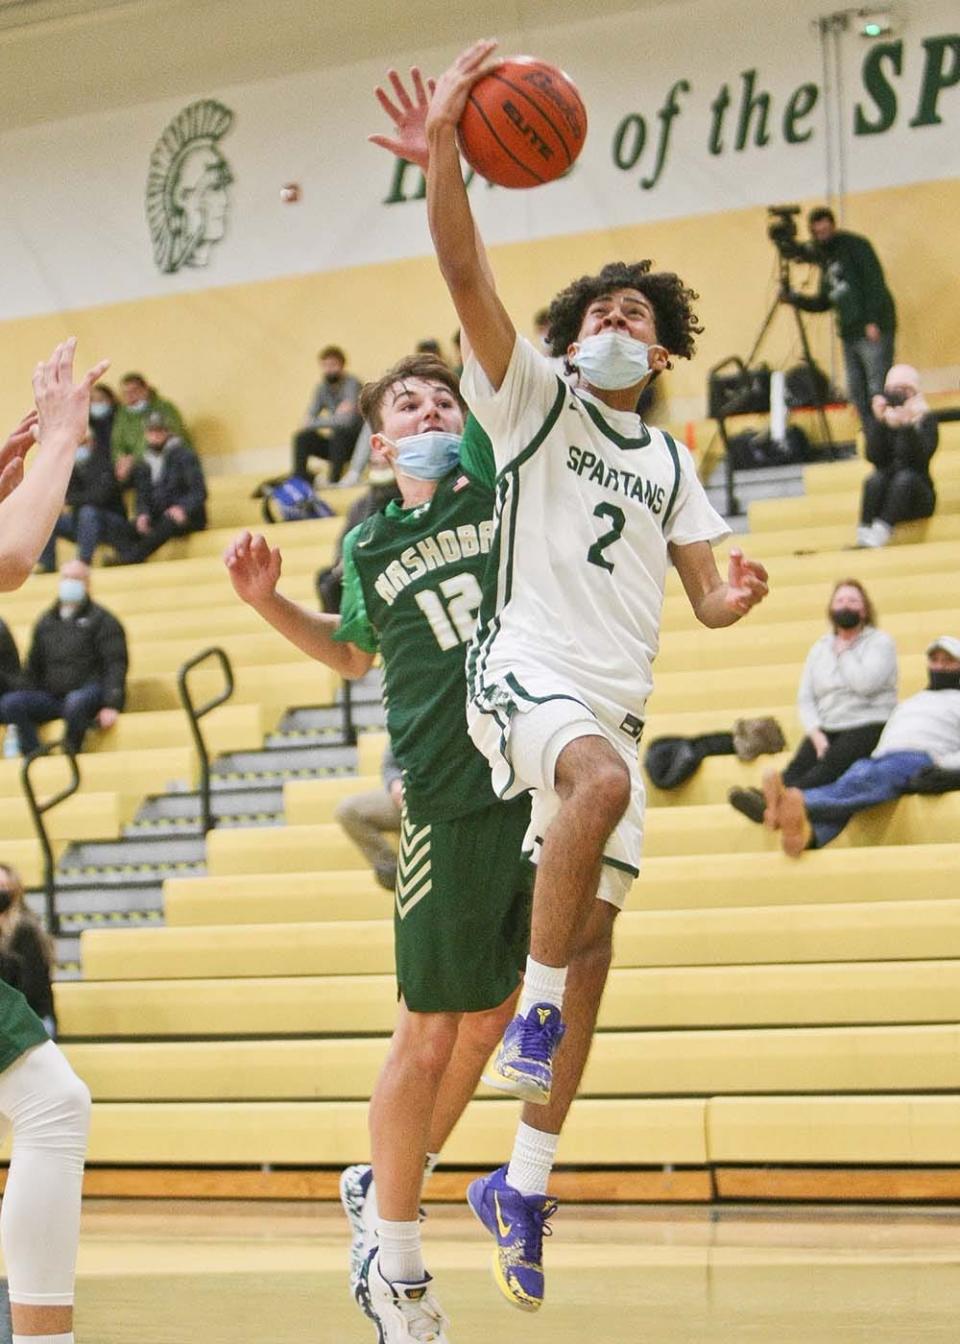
(26, 952)
(76, 669)
(383, 488)
(333, 418)
(367, 817)
(170, 492)
(94, 511)
(901, 437)
(10, 676)
(128, 434)
(918, 752)
(103, 412)
(848, 690)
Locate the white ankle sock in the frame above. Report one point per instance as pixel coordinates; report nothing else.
(44, 1339)
(532, 1160)
(542, 984)
(401, 1254)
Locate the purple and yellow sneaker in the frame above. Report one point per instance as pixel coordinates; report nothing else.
(523, 1065)
(518, 1224)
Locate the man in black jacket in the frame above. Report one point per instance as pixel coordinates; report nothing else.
(853, 285)
(170, 492)
(95, 511)
(76, 669)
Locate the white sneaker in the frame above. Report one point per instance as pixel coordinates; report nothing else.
(879, 534)
(864, 535)
(358, 1196)
(404, 1313)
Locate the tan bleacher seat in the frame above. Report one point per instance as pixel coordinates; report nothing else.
(229, 728)
(793, 539)
(691, 1063)
(781, 995)
(822, 510)
(85, 816)
(315, 800)
(803, 933)
(285, 898)
(271, 688)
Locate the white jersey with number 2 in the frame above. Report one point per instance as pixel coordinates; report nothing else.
(587, 500)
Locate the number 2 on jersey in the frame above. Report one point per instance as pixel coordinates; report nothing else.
(453, 617)
(618, 518)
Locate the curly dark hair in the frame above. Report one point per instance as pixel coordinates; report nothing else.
(672, 301)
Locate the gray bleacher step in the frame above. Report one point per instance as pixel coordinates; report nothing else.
(255, 800)
(80, 901)
(160, 852)
(287, 761)
(318, 720)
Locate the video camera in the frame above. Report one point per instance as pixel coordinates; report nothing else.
(782, 232)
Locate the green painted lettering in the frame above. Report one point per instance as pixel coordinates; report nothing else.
(801, 104)
(878, 87)
(941, 71)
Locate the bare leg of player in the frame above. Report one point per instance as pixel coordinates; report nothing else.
(477, 1038)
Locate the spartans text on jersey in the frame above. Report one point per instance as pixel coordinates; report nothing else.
(629, 483)
(446, 548)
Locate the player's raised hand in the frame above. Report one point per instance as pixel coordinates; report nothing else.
(746, 583)
(451, 89)
(12, 452)
(254, 568)
(63, 407)
(409, 117)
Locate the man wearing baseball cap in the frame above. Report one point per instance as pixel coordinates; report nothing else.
(918, 752)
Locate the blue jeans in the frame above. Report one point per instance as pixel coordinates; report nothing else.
(88, 526)
(877, 779)
(867, 364)
(25, 709)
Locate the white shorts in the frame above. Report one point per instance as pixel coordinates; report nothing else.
(522, 735)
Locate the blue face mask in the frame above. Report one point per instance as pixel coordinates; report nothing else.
(82, 454)
(612, 361)
(99, 409)
(72, 592)
(427, 456)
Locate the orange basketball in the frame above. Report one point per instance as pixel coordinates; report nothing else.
(524, 123)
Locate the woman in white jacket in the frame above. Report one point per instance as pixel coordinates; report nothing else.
(848, 690)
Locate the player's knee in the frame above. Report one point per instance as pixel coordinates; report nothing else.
(429, 1040)
(606, 788)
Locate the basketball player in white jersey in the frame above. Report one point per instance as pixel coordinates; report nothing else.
(592, 505)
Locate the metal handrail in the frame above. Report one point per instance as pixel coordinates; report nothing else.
(37, 812)
(349, 728)
(194, 715)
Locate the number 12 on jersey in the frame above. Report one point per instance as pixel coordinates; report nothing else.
(452, 610)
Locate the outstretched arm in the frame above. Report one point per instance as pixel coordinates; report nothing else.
(254, 569)
(30, 506)
(483, 318)
(717, 603)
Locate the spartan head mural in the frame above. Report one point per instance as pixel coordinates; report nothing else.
(187, 186)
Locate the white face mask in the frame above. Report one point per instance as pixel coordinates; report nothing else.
(612, 361)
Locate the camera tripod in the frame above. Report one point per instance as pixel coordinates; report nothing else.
(820, 402)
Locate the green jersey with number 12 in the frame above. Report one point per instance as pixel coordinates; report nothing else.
(412, 591)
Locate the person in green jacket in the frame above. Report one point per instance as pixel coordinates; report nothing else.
(853, 285)
(127, 442)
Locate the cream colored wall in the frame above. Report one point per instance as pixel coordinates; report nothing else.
(240, 360)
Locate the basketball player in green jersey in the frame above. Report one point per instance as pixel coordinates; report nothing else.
(41, 1098)
(411, 591)
(560, 668)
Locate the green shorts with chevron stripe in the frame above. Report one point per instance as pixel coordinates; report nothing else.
(462, 916)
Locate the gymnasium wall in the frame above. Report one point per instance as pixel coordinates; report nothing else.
(700, 116)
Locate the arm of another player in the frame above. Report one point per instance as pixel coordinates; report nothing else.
(30, 506)
(254, 569)
(483, 318)
(716, 602)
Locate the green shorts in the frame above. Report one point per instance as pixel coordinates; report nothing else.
(20, 1028)
(462, 910)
